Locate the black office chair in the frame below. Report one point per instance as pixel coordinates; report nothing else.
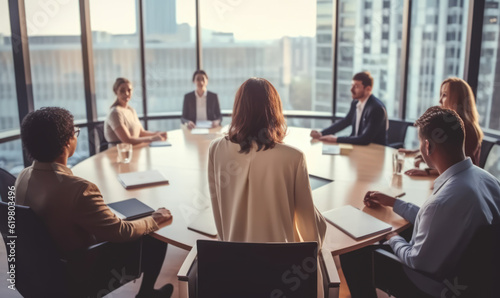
(6, 180)
(396, 133)
(39, 272)
(486, 145)
(235, 269)
(477, 273)
(103, 144)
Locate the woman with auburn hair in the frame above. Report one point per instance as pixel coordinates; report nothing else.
(259, 186)
(457, 95)
(122, 124)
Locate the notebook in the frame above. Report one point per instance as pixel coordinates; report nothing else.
(317, 182)
(200, 131)
(331, 149)
(144, 178)
(204, 223)
(160, 144)
(203, 124)
(355, 222)
(131, 209)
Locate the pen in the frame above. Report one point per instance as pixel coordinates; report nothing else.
(400, 195)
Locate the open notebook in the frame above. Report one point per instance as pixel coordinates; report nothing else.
(355, 222)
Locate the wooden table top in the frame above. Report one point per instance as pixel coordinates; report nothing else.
(185, 165)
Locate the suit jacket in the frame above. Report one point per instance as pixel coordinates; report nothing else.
(73, 209)
(372, 127)
(189, 107)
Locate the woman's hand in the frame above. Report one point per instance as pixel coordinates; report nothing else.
(418, 160)
(163, 135)
(191, 125)
(215, 123)
(315, 134)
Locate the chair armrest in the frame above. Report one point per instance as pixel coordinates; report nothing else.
(185, 269)
(330, 268)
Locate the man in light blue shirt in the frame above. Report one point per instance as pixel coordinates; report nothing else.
(464, 198)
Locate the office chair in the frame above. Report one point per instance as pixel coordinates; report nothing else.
(396, 133)
(38, 271)
(235, 269)
(492, 160)
(6, 180)
(486, 146)
(476, 275)
(103, 144)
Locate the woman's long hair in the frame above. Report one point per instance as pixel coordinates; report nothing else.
(257, 116)
(461, 100)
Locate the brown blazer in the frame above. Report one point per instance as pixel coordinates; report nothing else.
(72, 208)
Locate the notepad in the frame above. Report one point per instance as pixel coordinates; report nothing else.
(204, 223)
(144, 178)
(203, 124)
(355, 222)
(200, 131)
(160, 144)
(317, 182)
(130, 209)
(331, 149)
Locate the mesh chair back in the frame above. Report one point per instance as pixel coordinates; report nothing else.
(234, 269)
(6, 180)
(38, 268)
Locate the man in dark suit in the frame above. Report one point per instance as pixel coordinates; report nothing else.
(367, 116)
(201, 104)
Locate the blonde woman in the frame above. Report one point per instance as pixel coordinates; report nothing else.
(122, 124)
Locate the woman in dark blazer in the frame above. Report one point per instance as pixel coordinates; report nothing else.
(208, 102)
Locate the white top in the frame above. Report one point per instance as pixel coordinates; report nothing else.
(120, 116)
(263, 196)
(464, 198)
(201, 106)
(360, 106)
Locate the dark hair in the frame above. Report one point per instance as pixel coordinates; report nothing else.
(116, 85)
(443, 126)
(200, 71)
(257, 116)
(365, 77)
(46, 131)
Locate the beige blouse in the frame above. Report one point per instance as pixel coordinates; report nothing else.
(120, 116)
(262, 196)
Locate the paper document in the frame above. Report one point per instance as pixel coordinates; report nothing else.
(160, 144)
(203, 124)
(355, 222)
(200, 131)
(331, 149)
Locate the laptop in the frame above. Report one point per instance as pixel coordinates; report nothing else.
(130, 209)
(144, 178)
(355, 222)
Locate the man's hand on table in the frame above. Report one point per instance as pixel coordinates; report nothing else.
(162, 217)
(374, 199)
(329, 138)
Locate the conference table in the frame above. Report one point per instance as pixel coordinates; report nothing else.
(185, 164)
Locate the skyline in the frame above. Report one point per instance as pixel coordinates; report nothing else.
(247, 20)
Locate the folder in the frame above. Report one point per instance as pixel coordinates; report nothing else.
(355, 222)
(160, 144)
(130, 209)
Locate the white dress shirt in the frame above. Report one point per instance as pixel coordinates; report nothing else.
(360, 106)
(465, 197)
(201, 106)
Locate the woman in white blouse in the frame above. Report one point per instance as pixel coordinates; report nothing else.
(259, 186)
(122, 124)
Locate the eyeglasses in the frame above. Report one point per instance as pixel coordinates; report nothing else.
(77, 131)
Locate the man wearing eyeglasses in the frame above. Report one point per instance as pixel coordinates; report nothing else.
(76, 216)
(367, 116)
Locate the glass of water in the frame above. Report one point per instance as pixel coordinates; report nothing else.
(124, 152)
